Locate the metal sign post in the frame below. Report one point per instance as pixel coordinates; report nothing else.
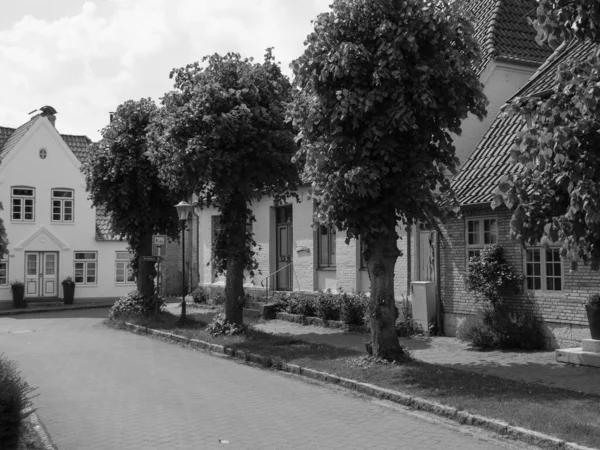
(159, 241)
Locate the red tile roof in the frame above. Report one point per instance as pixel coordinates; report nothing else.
(504, 33)
(479, 175)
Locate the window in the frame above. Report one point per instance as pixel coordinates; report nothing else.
(4, 271)
(543, 269)
(480, 233)
(62, 205)
(86, 267)
(123, 270)
(326, 246)
(22, 204)
(43, 153)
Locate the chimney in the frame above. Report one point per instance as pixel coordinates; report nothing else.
(111, 115)
(49, 112)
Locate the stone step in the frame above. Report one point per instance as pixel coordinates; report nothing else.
(248, 312)
(578, 356)
(591, 345)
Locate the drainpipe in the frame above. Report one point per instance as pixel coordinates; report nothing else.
(438, 282)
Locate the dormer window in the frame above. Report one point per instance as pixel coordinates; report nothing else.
(22, 204)
(62, 205)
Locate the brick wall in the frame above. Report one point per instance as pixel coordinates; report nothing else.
(172, 262)
(563, 313)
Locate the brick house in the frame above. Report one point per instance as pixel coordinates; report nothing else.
(320, 257)
(555, 294)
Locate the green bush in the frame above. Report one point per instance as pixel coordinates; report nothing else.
(328, 306)
(221, 327)
(304, 303)
(353, 308)
(135, 305)
(15, 397)
(502, 327)
(219, 299)
(405, 324)
(199, 295)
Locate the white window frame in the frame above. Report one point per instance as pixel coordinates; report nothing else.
(474, 249)
(330, 238)
(547, 280)
(124, 264)
(62, 204)
(86, 263)
(19, 201)
(4, 268)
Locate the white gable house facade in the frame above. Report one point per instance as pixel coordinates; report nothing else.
(53, 231)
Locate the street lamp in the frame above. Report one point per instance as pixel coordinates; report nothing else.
(184, 210)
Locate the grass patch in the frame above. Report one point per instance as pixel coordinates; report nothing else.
(568, 415)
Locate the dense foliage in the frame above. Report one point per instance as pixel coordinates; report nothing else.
(15, 398)
(347, 307)
(3, 237)
(222, 135)
(379, 90)
(124, 184)
(135, 305)
(490, 276)
(555, 188)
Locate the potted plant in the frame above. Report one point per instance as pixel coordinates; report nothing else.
(593, 314)
(68, 290)
(18, 292)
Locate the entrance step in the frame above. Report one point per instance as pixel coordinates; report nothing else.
(249, 312)
(587, 355)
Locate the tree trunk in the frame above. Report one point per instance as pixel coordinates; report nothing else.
(236, 215)
(146, 271)
(383, 253)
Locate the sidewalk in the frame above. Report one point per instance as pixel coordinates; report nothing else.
(32, 309)
(526, 366)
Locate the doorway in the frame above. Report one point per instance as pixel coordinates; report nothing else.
(41, 274)
(284, 247)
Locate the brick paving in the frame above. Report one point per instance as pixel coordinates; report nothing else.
(107, 389)
(528, 366)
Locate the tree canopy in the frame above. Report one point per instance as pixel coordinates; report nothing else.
(222, 135)
(124, 183)
(555, 193)
(379, 89)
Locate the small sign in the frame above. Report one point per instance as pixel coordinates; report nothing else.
(159, 245)
(148, 258)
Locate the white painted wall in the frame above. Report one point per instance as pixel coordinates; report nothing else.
(24, 167)
(500, 80)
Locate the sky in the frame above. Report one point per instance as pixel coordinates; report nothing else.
(85, 58)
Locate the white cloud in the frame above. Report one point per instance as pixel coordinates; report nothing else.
(87, 63)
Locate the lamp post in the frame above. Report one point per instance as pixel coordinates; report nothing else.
(183, 212)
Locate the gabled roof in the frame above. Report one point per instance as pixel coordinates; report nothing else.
(479, 175)
(504, 33)
(9, 137)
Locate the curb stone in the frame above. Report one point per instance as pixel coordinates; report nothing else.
(418, 403)
(41, 431)
(16, 312)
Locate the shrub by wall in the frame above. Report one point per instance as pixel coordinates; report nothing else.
(15, 397)
(134, 305)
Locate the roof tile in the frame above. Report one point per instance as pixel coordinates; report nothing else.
(478, 177)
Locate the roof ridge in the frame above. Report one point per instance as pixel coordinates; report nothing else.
(490, 41)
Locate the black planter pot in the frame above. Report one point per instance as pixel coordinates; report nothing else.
(18, 294)
(69, 294)
(593, 315)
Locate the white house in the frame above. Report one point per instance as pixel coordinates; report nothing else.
(53, 230)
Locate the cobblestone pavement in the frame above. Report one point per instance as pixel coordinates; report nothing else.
(529, 366)
(107, 389)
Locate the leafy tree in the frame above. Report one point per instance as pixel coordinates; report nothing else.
(222, 135)
(124, 183)
(555, 189)
(379, 90)
(3, 237)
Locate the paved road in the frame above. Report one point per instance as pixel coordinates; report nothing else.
(107, 389)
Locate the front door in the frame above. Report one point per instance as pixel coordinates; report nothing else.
(41, 274)
(284, 280)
